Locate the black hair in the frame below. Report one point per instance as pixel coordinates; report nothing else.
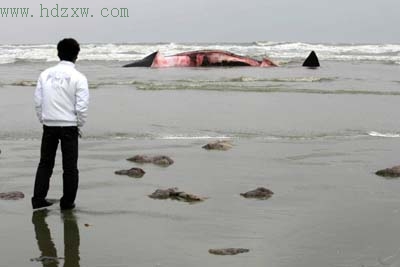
(68, 49)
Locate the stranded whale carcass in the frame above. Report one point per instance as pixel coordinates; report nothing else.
(201, 58)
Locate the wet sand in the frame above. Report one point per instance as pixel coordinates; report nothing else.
(328, 206)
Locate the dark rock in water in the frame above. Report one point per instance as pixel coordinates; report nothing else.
(311, 61)
(260, 193)
(218, 145)
(15, 195)
(47, 260)
(175, 194)
(133, 172)
(158, 160)
(393, 172)
(228, 251)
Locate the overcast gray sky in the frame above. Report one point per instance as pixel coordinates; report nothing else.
(350, 21)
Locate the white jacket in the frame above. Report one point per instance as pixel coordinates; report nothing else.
(62, 96)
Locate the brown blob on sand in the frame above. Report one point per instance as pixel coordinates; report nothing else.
(259, 193)
(158, 160)
(133, 172)
(175, 194)
(228, 251)
(393, 172)
(162, 160)
(15, 195)
(218, 145)
(140, 159)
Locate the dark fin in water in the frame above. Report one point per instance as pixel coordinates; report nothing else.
(311, 61)
(145, 62)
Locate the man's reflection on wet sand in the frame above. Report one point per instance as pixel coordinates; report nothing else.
(46, 245)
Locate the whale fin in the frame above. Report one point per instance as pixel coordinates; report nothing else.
(311, 61)
(145, 62)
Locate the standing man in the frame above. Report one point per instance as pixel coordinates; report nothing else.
(61, 102)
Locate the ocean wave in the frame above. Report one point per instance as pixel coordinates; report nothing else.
(341, 135)
(238, 87)
(183, 83)
(351, 134)
(279, 51)
(95, 85)
(92, 85)
(387, 135)
(268, 43)
(239, 84)
(23, 83)
(289, 80)
(191, 137)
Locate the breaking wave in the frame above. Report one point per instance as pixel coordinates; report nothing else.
(210, 135)
(183, 83)
(290, 79)
(22, 83)
(387, 135)
(92, 85)
(238, 84)
(263, 88)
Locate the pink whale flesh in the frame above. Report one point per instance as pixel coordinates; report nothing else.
(201, 58)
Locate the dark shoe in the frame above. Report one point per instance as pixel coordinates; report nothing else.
(67, 207)
(40, 204)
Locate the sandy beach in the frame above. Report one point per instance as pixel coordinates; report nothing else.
(313, 137)
(325, 209)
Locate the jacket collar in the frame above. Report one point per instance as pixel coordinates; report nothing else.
(66, 63)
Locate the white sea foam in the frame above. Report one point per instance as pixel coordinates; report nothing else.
(388, 135)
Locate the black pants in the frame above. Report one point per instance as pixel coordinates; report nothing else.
(69, 148)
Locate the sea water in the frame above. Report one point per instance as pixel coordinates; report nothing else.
(352, 94)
